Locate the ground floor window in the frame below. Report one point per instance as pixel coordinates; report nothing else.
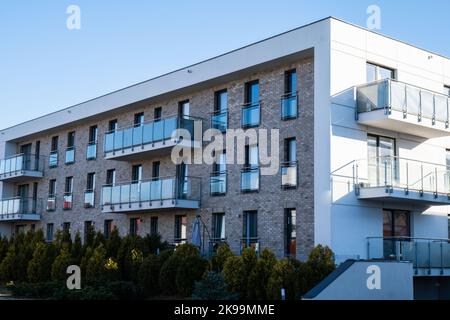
(20, 228)
(290, 240)
(180, 229)
(134, 226)
(218, 227)
(66, 227)
(396, 223)
(250, 230)
(49, 235)
(87, 229)
(107, 229)
(154, 225)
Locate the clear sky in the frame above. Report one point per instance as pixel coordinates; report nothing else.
(45, 67)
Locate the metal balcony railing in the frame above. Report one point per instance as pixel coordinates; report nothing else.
(21, 162)
(147, 133)
(19, 206)
(168, 188)
(289, 106)
(251, 115)
(53, 159)
(425, 253)
(289, 174)
(411, 100)
(70, 155)
(218, 183)
(91, 151)
(402, 173)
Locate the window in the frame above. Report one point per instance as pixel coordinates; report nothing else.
(155, 170)
(381, 160)
(180, 229)
(154, 225)
(290, 242)
(289, 166)
(157, 114)
(113, 125)
(219, 118)
(396, 223)
(87, 229)
(91, 151)
(375, 72)
(251, 156)
(49, 233)
(218, 180)
(111, 177)
(70, 151)
(138, 119)
(51, 199)
(136, 173)
(68, 190)
(107, 228)
(89, 194)
(251, 114)
(66, 227)
(447, 90)
(290, 82)
(250, 172)
(134, 226)
(183, 108)
(218, 227)
(53, 158)
(250, 229)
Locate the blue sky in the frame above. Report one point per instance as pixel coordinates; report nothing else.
(45, 67)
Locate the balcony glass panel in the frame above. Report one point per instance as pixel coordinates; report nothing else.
(51, 203)
(67, 201)
(289, 174)
(289, 107)
(91, 151)
(19, 206)
(89, 199)
(218, 183)
(250, 179)
(53, 159)
(70, 155)
(251, 115)
(219, 121)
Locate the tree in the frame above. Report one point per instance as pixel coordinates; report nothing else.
(95, 266)
(113, 243)
(319, 265)
(7, 267)
(59, 266)
(77, 249)
(148, 275)
(284, 275)
(218, 259)
(190, 270)
(259, 276)
(40, 266)
(235, 274)
(212, 287)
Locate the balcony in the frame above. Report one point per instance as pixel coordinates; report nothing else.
(430, 257)
(21, 167)
(250, 179)
(400, 179)
(219, 121)
(289, 175)
(156, 137)
(20, 209)
(400, 107)
(251, 115)
(218, 183)
(289, 103)
(148, 195)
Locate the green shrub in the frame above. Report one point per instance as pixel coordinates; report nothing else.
(148, 275)
(190, 270)
(4, 245)
(77, 249)
(212, 287)
(259, 276)
(95, 266)
(153, 244)
(319, 265)
(99, 239)
(130, 257)
(113, 243)
(186, 250)
(168, 274)
(235, 274)
(7, 267)
(285, 274)
(218, 259)
(40, 266)
(59, 266)
(249, 257)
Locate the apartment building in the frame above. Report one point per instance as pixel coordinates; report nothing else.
(364, 142)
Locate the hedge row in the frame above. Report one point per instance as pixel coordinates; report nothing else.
(136, 268)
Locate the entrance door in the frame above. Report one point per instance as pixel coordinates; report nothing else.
(396, 231)
(381, 160)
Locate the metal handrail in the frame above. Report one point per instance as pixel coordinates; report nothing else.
(150, 180)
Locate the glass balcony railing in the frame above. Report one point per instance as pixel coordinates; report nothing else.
(67, 201)
(289, 174)
(89, 199)
(147, 133)
(170, 188)
(15, 206)
(53, 159)
(289, 106)
(250, 179)
(401, 173)
(91, 151)
(218, 183)
(20, 163)
(422, 252)
(410, 100)
(51, 202)
(251, 115)
(70, 155)
(219, 120)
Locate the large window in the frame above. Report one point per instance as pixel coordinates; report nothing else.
(250, 229)
(111, 177)
(53, 158)
(250, 172)
(68, 194)
(138, 119)
(156, 165)
(183, 108)
(70, 151)
(218, 180)
(251, 115)
(113, 125)
(180, 229)
(107, 228)
(381, 160)
(134, 226)
(136, 173)
(218, 227)
(51, 199)
(376, 72)
(289, 166)
(157, 114)
(91, 151)
(290, 239)
(154, 225)
(219, 118)
(89, 194)
(49, 233)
